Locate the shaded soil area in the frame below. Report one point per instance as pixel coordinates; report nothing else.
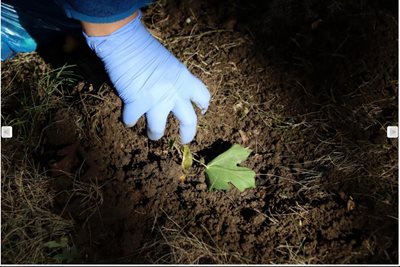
(310, 87)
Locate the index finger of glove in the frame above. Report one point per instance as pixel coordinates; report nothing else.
(200, 95)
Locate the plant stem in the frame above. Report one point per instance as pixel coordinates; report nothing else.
(198, 161)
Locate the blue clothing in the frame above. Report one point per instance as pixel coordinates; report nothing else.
(14, 37)
(26, 23)
(102, 11)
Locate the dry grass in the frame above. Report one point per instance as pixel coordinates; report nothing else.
(27, 218)
(177, 245)
(293, 253)
(31, 91)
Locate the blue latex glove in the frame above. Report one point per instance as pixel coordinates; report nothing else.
(150, 80)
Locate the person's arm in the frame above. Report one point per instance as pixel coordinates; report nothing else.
(148, 78)
(103, 29)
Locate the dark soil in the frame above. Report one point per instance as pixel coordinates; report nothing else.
(310, 87)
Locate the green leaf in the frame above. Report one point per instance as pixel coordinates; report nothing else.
(53, 244)
(223, 170)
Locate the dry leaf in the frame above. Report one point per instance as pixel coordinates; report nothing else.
(351, 205)
(245, 138)
(315, 24)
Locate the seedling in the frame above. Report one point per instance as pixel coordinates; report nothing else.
(224, 170)
(187, 161)
(66, 253)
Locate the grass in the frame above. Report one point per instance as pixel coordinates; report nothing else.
(28, 98)
(27, 218)
(177, 245)
(31, 90)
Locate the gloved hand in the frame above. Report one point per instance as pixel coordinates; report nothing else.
(150, 80)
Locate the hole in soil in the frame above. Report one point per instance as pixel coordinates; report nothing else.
(214, 150)
(144, 201)
(153, 157)
(138, 184)
(247, 213)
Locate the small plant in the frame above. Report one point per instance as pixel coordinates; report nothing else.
(187, 159)
(65, 252)
(31, 91)
(224, 170)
